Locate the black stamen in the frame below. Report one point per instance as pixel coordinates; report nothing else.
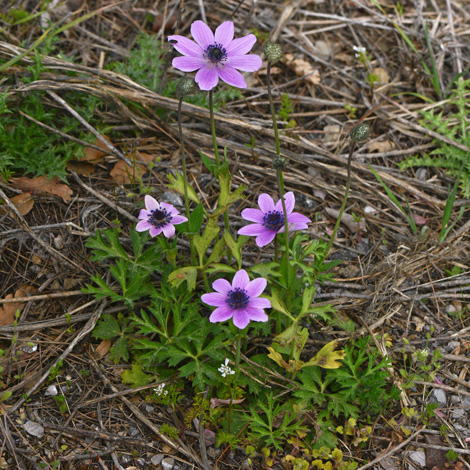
(237, 299)
(273, 220)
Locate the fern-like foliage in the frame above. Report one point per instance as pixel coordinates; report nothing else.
(454, 160)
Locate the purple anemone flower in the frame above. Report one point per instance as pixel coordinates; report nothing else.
(238, 300)
(215, 55)
(269, 219)
(158, 218)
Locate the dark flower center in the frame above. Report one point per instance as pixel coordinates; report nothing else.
(159, 218)
(237, 299)
(273, 220)
(215, 53)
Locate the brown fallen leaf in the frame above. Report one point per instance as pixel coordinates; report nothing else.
(41, 184)
(81, 168)
(302, 68)
(23, 202)
(348, 220)
(93, 155)
(381, 146)
(8, 311)
(124, 174)
(103, 348)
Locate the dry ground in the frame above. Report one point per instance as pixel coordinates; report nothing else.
(391, 282)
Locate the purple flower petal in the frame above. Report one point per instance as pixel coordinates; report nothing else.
(259, 302)
(240, 279)
(232, 77)
(253, 215)
(215, 299)
(224, 33)
(178, 219)
(144, 214)
(241, 46)
(289, 200)
(221, 314)
(265, 203)
(297, 218)
(255, 287)
(222, 286)
(155, 231)
(172, 210)
(168, 230)
(202, 34)
(186, 46)
(187, 64)
(151, 204)
(240, 319)
(245, 63)
(252, 230)
(256, 314)
(143, 225)
(264, 238)
(207, 78)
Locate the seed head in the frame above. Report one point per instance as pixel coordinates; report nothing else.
(273, 52)
(360, 132)
(279, 163)
(185, 87)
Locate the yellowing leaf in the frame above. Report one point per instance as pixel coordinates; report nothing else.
(327, 357)
(277, 358)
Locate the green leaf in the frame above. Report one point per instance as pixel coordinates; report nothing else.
(233, 247)
(327, 357)
(4, 396)
(178, 183)
(107, 328)
(136, 377)
(266, 269)
(106, 248)
(202, 243)
(211, 165)
(188, 274)
(119, 351)
(196, 218)
(227, 198)
(216, 268)
(217, 252)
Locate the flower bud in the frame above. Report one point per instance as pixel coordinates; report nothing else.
(273, 52)
(185, 87)
(279, 163)
(360, 132)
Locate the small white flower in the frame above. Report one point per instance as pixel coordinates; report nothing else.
(359, 51)
(159, 390)
(225, 369)
(424, 353)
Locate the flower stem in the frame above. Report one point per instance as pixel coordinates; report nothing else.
(214, 136)
(216, 150)
(183, 158)
(238, 342)
(280, 177)
(343, 205)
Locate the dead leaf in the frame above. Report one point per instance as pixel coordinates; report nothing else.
(302, 68)
(381, 146)
(81, 168)
(332, 133)
(215, 402)
(7, 311)
(420, 220)
(381, 74)
(124, 174)
(93, 155)
(348, 220)
(434, 457)
(41, 184)
(103, 348)
(23, 202)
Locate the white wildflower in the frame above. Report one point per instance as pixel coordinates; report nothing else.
(160, 390)
(225, 369)
(359, 50)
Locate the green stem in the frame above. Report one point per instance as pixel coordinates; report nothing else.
(280, 177)
(238, 342)
(214, 136)
(343, 205)
(183, 158)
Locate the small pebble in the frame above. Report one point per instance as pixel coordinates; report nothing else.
(156, 459)
(35, 429)
(422, 174)
(458, 413)
(168, 463)
(133, 431)
(438, 396)
(418, 457)
(51, 391)
(172, 198)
